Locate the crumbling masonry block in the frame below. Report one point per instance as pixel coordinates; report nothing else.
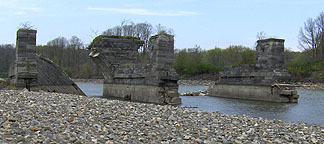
(26, 63)
(127, 77)
(34, 72)
(260, 81)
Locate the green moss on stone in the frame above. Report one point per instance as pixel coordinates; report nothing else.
(161, 33)
(98, 38)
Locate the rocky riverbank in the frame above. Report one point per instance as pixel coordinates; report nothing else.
(196, 82)
(313, 86)
(202, 92)
(41, 117)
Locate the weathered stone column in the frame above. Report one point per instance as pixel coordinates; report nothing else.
(26, 60)
(270, 53)
(162, 61)
(162, 52)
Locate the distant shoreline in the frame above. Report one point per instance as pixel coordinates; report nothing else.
(313, 86)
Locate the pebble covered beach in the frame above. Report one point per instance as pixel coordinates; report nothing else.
(41, 117)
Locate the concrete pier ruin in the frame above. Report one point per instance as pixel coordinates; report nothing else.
(127, 77)
(267, 80)
(36, 73)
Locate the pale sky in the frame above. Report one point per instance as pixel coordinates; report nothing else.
(207, 23)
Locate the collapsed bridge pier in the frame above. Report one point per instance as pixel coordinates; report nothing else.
(36, 72)
(127, 76)
(267, 80)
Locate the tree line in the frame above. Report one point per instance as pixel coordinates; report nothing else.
(311, 37)
(194, 61)
(6, 59)
(72, 56)
(142, 30)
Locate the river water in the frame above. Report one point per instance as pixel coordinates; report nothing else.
(309, 109)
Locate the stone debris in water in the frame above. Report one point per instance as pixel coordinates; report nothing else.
(202, 92)
(41, 117)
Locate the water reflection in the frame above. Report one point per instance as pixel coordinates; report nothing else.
(310, 108)
(91, 89)
(238, 107)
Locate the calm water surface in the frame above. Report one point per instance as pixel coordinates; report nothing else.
(309, 109)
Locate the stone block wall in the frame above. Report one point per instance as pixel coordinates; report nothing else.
(52, 78)
(162, 52)
(37, 73)
(269, 67)
(26, 63)
(127, 77)
(260, 81)
(270, 53)
(161, 60)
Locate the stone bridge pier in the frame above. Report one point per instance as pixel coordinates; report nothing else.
(35, 72)
(127, 77)
(267, 80)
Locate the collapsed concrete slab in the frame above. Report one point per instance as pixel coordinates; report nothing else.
(267, 80)
(35, 72)
(127, 77)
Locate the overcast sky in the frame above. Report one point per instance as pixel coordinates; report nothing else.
(207, 23)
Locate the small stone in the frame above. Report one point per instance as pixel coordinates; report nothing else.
(157, 120)
(313, 140)
(94, 140)
(12, 119)
(9, 139)
(277, 141)
(69, 120)
(198, 140)
(34, 129)
(49, 111)
(235, 122)
(238, 141)
(77, 142)
(172, 118)
(268, 141)
(187, 137)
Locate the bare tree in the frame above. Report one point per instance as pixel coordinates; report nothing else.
(309, 37)
(93, 33)
(59, 42)
(261, 35)
(57, 45)
(27, 25)
(128, 28)
(320, 25)
(162, 29)
(142, 30)
(75, 42)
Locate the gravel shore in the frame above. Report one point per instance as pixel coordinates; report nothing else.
(40, 117)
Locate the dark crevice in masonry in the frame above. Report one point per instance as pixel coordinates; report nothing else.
(127, 77)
